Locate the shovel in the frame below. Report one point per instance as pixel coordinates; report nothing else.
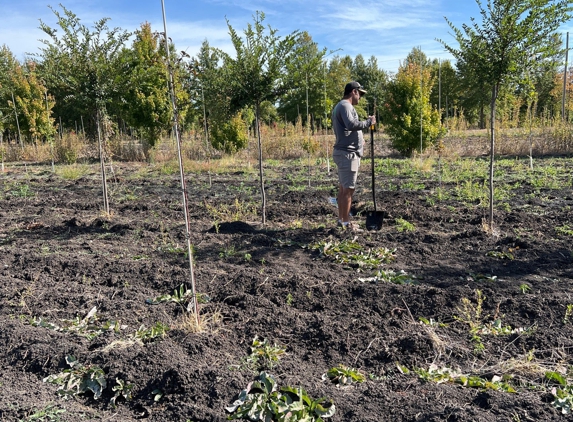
(373, 218)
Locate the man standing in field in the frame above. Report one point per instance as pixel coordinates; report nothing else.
(348, 148)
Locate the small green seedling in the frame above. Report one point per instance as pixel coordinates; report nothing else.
(568, 313)
(182, 296)
(147, 335)
(264, 355)
(390, 276)
(524, 288)
(342, 375)
(79, 379)
(49, 413)
(501, 255)
(122, 390)
(448, 375)
(404, 226)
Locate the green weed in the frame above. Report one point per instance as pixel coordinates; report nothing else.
(565, 230)
(448, 375)
(79, 379)
(390, 276)
(88, 327)
(404, 226)
(72, 172)
(147, 335)
(49, 413)
(568, 313)
(263, 401)
(121, 390)
(23, 191)
(350, 252)
(264, 355)
(563, 393)
(343, 375)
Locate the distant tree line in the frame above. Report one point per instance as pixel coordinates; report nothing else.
(89, 78)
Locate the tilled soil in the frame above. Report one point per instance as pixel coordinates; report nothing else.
(60, 257)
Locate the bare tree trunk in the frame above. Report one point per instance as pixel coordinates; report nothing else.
(492, 154)
(261, 176)
(102, 164)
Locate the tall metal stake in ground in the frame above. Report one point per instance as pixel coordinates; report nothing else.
(181, 172)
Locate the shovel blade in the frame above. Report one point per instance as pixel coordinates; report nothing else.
(374, 220)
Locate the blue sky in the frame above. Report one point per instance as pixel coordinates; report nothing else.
(386, 29)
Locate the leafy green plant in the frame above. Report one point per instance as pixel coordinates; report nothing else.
(472, 315)
(49, 413)
(563, 393)
(448, 375)
(88, 326)
(72, 172)
(431, 322)
(182, 296)
(121, 390)
(524, 288)
(146, 335)
(568, 313)
(262, 401)
(351, 253)
(343, 375)
(264, 355)
(404, 226)
(564, 229)
(23, 191)
(390, 276)
(228, 252)
(79, 379)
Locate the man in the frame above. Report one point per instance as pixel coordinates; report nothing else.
(348, 148)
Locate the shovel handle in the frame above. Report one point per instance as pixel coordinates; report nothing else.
(372, 162)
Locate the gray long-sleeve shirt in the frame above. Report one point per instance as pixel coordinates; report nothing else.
(348, 129)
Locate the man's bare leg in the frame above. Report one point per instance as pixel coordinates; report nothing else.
(344, 203)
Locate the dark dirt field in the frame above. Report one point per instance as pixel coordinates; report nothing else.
(60, 257)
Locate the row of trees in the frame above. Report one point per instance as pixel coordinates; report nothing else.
(85, 77)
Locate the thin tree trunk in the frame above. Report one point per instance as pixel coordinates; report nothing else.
(102, 165)
(261, 176)
(492, 154)
(2, 150)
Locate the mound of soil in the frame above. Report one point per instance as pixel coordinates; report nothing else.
(107, 291)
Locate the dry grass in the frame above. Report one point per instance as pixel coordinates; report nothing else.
(549, 137)
(211, 322)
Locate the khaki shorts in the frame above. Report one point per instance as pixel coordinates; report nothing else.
(348, 164)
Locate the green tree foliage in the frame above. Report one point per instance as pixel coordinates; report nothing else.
(374, 80)
(32, 103)
(445, 90)
(80, 68)
(258, 73)
(513, 35)
(338, 74)
(305, 97)
(230, 136)
(210, 105)
(407, 113)
(146, 102)
(8, 66)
